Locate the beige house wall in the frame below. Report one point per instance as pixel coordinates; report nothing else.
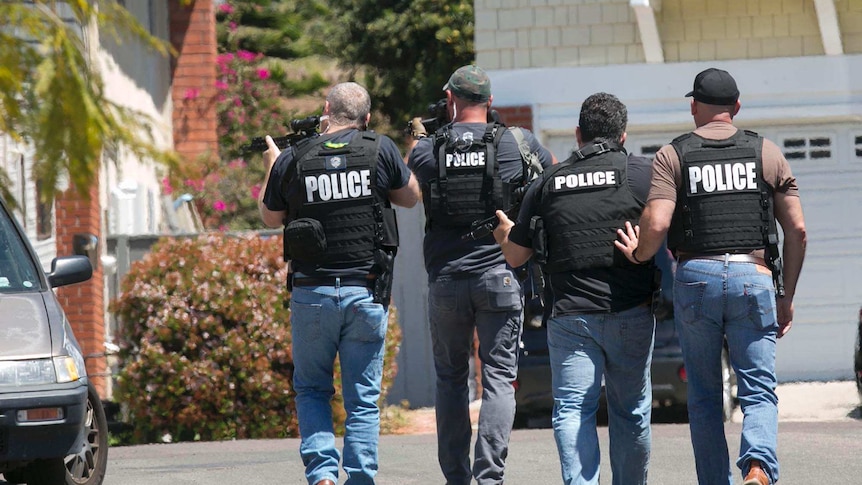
(513, 34)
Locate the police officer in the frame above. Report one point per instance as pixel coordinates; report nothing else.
(466, 170)
(601, 324)
(716, 193)
(333, 192)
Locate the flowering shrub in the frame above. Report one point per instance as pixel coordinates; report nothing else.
(205, 342)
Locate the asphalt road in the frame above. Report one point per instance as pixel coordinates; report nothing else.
(820, 440)
(809, 452)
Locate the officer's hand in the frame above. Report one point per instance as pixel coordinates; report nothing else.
(271, 153)
(501, 232)
(417, 129)
(784, 309)
(628, 240)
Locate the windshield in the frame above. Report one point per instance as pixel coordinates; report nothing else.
(17, 270)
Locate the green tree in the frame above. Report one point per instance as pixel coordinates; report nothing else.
(53, 99)
(407, 48)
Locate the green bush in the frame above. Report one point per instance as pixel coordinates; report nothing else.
(205, 342)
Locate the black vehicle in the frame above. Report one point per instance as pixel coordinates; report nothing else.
(533, 394)
(52, 425)
(857, 356)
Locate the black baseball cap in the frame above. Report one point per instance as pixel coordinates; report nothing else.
(471, 83)
(714, 86)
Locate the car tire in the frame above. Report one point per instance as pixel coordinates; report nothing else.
(87, 465)
(727, 400)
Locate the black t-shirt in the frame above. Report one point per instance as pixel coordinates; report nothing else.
(593, 290)
(392, 174)
(446, 253)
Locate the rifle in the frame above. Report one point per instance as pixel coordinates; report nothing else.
(440, 117)
(302, 128)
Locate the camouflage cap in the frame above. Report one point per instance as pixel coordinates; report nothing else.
(470, 83)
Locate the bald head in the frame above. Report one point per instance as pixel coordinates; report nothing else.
(349, 104)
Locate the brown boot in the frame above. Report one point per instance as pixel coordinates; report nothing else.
(756, 475)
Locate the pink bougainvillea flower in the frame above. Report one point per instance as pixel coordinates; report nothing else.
(219, 205)
(192, 93)
(263, 73)
(226, 8)
(224, 58)
(221, 85)
(232, 26)
(246, 55)
(166, 186)
(255, 191)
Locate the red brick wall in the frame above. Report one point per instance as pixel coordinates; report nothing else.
(84, 302)
(193, 71)
(516, 116)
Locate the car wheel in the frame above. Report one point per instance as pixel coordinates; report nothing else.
(88, 465)
(727, 402)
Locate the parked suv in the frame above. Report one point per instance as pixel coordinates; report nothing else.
(52, 425)
(533, 394)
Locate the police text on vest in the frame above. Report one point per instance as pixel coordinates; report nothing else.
(722, 177)
(585, 179)
(469, 159)
(337, 186)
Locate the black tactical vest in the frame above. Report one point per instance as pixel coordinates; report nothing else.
(724, 204)
(582, 203)
(468, 186)
(336, 185)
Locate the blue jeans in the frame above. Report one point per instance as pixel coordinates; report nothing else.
(583, 348)
(490, 303)
(716, 301)
(340, 320)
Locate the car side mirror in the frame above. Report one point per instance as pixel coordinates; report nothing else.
(69, 270)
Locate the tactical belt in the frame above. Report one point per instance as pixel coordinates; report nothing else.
(730, 258)
(333, 281)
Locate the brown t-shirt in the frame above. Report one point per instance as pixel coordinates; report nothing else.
(667, 173)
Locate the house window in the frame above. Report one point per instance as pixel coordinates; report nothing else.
(858, 143)
(44, 215)
(814, 148)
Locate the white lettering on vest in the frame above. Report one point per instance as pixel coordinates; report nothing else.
(337, 186)
(586, 179)
(469, 159)
(722, 177)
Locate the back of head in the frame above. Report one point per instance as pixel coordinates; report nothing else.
(603, 118)
(349, 104)
(470, 83)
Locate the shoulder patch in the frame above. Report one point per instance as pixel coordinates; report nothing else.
(331, 144)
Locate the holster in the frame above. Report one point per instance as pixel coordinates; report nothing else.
(383, 268)
(773, 261)
(540, 240)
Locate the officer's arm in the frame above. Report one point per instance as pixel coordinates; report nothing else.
(515, 254)
(647, 237)
(270, 218)
(788, 211)
(406, 196)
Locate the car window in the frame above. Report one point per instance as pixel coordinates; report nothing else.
(18, 272)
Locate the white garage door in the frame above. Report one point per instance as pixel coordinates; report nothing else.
(827, 162)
